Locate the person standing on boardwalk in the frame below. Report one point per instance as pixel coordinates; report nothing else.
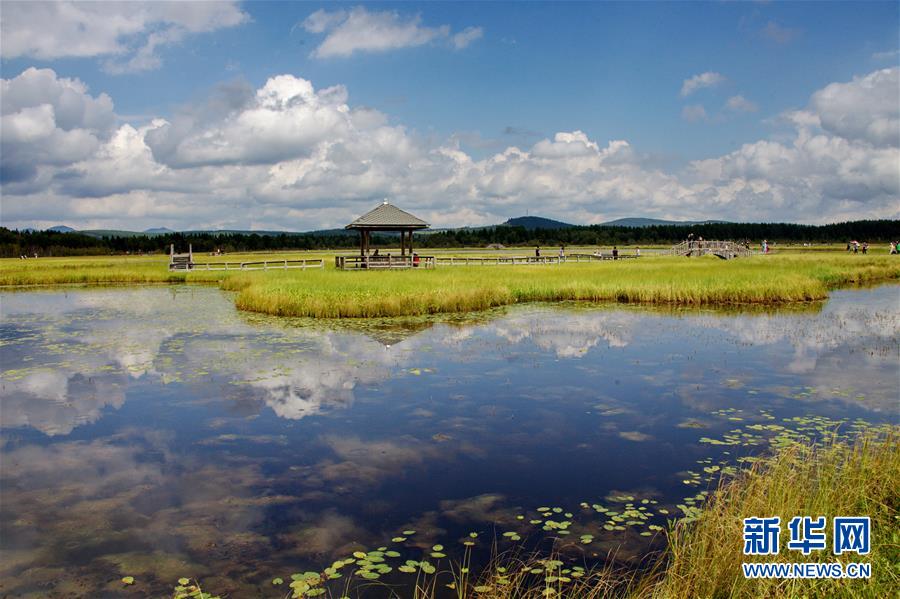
(637, 252)
(562, 254)
(615, 253)
(865, 247)
(537, 252)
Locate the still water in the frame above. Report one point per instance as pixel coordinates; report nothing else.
(159, 433)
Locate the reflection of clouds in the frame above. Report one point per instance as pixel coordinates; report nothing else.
(127, 494)
(86, 346)
(305, 373)
(568, 334)
(55, 402)
(842, 325)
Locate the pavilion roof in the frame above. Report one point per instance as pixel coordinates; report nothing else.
(387, 216)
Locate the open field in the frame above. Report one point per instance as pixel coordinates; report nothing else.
(330, 293)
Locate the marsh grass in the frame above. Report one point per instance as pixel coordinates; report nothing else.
(838, 479)
(658, 280)
(95, 271)
(328, 293)
(704, 555)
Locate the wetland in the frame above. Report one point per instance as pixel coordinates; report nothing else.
(159, 433)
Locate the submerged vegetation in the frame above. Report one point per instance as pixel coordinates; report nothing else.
(837, 477)
(703, 556)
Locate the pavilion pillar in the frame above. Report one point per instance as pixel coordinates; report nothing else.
(362, 242)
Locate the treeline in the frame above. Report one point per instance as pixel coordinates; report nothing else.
(51, 243)
(873, 231)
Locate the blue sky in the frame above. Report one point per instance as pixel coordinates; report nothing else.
(473, 78)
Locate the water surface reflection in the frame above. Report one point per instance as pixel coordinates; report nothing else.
(158, 433)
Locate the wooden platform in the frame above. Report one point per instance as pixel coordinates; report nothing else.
(356, 262)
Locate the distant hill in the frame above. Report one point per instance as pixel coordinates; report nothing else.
(536, 222)
(656, 222)
(527, 222)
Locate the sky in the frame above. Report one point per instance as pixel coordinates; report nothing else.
(299, 116)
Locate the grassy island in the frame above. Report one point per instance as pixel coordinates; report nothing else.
(328, 293)
(662, 280)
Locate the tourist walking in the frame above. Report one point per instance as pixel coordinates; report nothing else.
(562, 254)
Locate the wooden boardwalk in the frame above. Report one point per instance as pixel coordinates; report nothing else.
(261, 265)
(726, 250)
(404, 262)
(186, 262)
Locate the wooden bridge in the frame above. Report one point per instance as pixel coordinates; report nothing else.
(261, 265)
(726, 250)
(186, 262)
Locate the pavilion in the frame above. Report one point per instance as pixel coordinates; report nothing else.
(387, 217)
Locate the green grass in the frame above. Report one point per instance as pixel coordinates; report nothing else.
(328, 293)
(662, 280)
(860, 479)
(704, 555)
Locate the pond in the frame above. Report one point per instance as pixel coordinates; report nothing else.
(156, 432)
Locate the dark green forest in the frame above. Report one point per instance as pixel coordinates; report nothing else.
(50, 243)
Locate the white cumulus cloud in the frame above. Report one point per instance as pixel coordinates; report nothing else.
(127, 33)
(290, 156)
(361, 30)
(707, 79)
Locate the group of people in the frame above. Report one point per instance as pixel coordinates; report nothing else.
(855, 247)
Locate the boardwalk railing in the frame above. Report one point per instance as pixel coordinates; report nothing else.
(495, 260)
(722, 249)
(382, 262)
(521, 260)
(259, 265)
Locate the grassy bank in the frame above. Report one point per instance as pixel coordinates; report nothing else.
(106, 270)
(662, 280)
(704, 555)
(327, 293)
(862, 479)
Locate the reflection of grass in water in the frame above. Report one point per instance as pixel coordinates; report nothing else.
(698, 282)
